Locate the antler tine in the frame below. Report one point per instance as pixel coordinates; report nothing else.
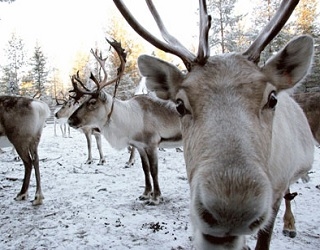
(102, 62)
(173, 46)
(271, 30)
(182, 52)
(78, 92)
(120, 71)
(205, 24)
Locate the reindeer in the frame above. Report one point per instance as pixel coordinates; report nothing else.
(63, 113)
(310, 103)
(21, 121)
(65, 108)
(143, 122)
(245, 139)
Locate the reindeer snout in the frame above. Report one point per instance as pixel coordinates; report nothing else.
(73, 121)
(221, 212)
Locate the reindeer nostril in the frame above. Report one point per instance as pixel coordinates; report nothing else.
(208, 218)
(257, 223)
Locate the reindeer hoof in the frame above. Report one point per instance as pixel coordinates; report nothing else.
(154, 201)
(102, 162)
(38, 200)
(21, 197)
(288, 233)
(144, 197)
(128, 165)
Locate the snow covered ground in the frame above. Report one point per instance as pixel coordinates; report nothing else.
(97, 207)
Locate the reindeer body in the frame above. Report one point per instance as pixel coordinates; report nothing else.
(310, 103)
(62, 115)
(245, 140)
(243, 148)
(21, 121)
(143, 122)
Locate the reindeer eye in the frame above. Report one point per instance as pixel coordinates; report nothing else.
(181, 108)
(272, 100)
(92, 104)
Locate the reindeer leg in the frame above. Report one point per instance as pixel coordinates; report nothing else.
(88, 137)
(24, 155)
(98, 140)
(62, 132)
(69, 135)
(55, 128)
(153, 161)
(131, 160)
(146, 169)
(38, 199)
(264, 236)
(289, 228)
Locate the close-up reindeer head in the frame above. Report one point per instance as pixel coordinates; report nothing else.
(236, 124)
(91, 106)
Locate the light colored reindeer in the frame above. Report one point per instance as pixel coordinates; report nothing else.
(245, 139)
(21, 121)
(143, 122)
(64, 109)
(64, 112)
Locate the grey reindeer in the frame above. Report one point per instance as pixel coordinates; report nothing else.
(21, 121)
(245, 139)
(144, 122)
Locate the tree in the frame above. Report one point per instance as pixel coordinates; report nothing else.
(13, 70)
(307, 14)
(39, 72)
(306, 24)
(117, 31)
(223, 26)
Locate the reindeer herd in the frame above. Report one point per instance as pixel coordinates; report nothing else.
(245, 139)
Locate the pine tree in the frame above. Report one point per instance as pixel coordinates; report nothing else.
(14, 69)
(307, 24)
(39, 72)
(224, 26)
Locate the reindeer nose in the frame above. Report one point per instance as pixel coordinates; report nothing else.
(73, 121)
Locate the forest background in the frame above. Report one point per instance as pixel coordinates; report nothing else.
(43, 43)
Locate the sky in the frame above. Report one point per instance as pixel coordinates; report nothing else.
(64, 27)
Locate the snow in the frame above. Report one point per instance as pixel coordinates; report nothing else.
(97, 207)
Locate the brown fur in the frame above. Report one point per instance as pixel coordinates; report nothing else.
(310, 103)
(22, 120)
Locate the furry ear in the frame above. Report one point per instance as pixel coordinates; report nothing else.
(161, 77)
(290, 65)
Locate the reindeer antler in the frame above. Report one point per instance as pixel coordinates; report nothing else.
(75, 79)
(122, 56)
(172, 45)
(271, 30)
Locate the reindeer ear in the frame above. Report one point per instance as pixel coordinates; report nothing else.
(161, 77)
(289, 66)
